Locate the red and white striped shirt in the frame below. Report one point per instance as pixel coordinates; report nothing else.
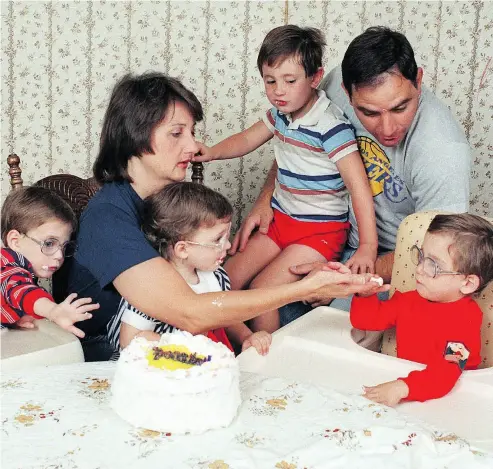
(19, 288)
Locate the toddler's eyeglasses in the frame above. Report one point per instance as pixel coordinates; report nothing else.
(430, 267)
(51, 245)
(220, 245)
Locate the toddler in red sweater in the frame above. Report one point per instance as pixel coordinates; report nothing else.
(36, 229)
(438, 324)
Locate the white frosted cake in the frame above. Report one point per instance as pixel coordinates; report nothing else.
(183, 383)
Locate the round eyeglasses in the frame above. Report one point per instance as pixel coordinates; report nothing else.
(51, 245)
(220, 245)
(430, 267)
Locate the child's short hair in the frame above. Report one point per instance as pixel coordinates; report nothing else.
(472, 248)
(29, 207)
(176, 212)
(307, 44)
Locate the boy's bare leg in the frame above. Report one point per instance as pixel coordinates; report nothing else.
(244, 266)
(278, 273)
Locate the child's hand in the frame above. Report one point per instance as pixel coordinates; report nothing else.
(26, 322)
(363, 260)
(203, 155)
(70, 311)
(390, 393)
(260, 340)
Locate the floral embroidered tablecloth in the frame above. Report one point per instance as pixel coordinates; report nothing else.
(59, 417)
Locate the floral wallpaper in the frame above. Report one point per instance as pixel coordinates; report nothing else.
(61, 59)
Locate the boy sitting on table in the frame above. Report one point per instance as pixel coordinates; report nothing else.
(438, 324)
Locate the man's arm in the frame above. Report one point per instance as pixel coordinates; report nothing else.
(384, 265)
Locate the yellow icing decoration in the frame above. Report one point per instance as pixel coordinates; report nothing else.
(167, 363)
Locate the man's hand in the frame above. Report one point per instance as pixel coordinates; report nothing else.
(363, 260)
(343, 284)
(203, 155)
(260, 216)
(260, 340)
(390, 393)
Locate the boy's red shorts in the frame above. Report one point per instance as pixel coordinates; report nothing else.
(327, 238)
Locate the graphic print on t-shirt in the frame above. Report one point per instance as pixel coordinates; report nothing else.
(457, 352)
(381, 175)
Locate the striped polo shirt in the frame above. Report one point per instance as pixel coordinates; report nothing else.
(308, 184)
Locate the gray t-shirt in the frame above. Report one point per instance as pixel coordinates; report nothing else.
(428, 170)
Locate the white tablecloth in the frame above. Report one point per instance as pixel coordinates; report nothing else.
(59, 417)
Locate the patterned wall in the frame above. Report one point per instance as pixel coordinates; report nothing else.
(61, 59)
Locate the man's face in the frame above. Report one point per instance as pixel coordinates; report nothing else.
(387, 108)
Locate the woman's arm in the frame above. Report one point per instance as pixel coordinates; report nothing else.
(155, 288)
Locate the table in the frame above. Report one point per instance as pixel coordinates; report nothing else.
(317, 348)
(59, 417)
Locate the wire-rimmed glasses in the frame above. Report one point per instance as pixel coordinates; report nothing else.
(51, 245)
(430, 267)
(220, 245)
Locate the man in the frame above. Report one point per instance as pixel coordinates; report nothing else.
(415, 153)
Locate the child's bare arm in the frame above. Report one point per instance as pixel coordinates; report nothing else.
(354, 175)
(128, 332)
(237, 145)
(67, 312)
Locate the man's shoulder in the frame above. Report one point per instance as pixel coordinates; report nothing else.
(435, 122)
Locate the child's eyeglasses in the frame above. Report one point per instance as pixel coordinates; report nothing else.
(220, 245)
(51, 245)
(430, 267)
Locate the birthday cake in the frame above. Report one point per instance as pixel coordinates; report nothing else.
(181, 384)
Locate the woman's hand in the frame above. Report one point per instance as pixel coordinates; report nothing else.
(335, 280)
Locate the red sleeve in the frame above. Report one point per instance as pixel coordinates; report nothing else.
(371, 314)
(21, 292)
(440, 375)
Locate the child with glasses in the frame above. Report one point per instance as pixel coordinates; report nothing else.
(36, 229)
(189, 225)
(439, 323)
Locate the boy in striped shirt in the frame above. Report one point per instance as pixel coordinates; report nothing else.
(36, 229)
(319, 166)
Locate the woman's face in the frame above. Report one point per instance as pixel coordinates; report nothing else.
(174, 145)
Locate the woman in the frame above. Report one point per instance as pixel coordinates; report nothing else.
(147, 142)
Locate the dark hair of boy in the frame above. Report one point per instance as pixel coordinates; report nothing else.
(472, 248)
(305, 44)
(137, 105)
(176, 212)
(29, 207)
(376, 51)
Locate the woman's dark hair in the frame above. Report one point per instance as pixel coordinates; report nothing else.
(376, 51)
(176, 212)
(27, 208)
(305, 44)
(137, 105)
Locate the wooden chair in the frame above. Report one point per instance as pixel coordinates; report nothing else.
(76, 192)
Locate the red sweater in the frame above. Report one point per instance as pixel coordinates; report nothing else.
(423, 331)
(19, 288)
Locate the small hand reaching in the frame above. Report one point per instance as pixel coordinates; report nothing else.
(260, 340)
(390, 393)
(203, 155)
(71, 311)
(363, 260)
(26, 322)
